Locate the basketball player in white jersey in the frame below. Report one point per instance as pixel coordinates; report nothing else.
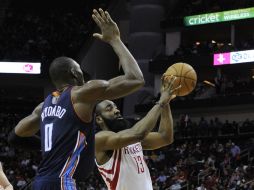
(119, 147)
(4, 182)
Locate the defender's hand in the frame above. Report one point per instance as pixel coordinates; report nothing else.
(109, 29)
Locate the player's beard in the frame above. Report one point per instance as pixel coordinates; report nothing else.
(117, 125)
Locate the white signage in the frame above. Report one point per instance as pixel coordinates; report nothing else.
(233, 57)
(20, 67)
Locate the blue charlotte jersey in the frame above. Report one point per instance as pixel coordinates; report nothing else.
(67, 143)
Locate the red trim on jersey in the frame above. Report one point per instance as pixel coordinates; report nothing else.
(113, 184)
(111, 171)
(117, 163)
(106, 178)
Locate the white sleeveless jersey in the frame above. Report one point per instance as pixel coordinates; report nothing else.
(126, 170)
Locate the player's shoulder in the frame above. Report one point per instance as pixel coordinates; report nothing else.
(104, 134)
(101, 139)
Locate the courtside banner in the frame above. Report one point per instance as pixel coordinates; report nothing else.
(233, 57)
(219, 17)
(20, 67)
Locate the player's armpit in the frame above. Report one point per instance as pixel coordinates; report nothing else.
(30, 125)
(108, 140)
(155, 140)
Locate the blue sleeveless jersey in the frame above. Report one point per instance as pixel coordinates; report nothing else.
(67, 143)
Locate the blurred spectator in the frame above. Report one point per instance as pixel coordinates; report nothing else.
(201, 187)
(235, 151)
(162, 178)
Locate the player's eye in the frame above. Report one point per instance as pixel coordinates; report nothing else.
(108, 108)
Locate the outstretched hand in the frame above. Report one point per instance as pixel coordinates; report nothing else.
(109, 29)
(168, 90)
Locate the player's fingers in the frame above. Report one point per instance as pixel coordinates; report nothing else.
(98, 16)
(103, 16)
(98, 36)
(172, 97)
(169, 81)
(108, 17)
(96, 20)
(165, 83)
(163, 79)
(168, 78)
(163, 76)
(172, 81)
(175, 89)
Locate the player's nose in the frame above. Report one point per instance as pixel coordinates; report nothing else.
(117, 112)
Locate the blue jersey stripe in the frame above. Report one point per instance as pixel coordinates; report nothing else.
(73, 160)
(68, 184)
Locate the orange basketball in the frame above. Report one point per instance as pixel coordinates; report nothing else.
(186, 77)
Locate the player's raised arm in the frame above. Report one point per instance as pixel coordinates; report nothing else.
(108, 140)
(121, 85)
(165, 134)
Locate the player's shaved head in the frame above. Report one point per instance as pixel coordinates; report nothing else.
(60, 69)
(64, 70)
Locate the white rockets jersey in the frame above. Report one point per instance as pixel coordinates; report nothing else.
(126, 170)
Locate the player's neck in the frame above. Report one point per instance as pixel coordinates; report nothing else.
(63, 88)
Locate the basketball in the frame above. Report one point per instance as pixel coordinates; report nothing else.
(186, 77)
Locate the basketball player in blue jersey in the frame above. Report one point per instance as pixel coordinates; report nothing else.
(65, 118)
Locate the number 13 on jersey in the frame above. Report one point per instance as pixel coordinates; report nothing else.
(139, 162)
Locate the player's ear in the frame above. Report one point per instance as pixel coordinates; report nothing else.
(74, 73)
(99, 120)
